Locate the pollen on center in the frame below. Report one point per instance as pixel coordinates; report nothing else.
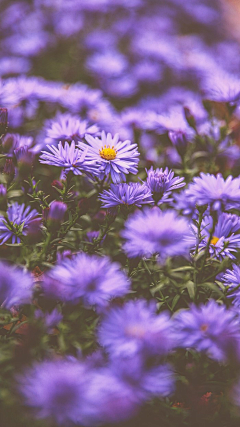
(214, 240)
(108, 153)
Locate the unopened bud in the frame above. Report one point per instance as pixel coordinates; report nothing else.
(56, 214)
(190, 117)
(24, 161)
(34, 230)
(9, 143)
(83, 205)
(57, 184)
(179, 140)
(3, 196)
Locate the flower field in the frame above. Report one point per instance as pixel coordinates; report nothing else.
(119, 213)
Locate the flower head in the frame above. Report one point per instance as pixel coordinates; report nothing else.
(16, 287)
(69, 158)
(209, 328)
(135, 328)
(17, 222)
(162, 183)
(156, 232)
(115, 158)
(224, 241)
(69, 128)
(93, 279)
(214, 191)
(126, 194)
(231, 278)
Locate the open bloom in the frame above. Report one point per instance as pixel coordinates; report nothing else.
(93, 279)
(214, 191)
(162, 183)
(16, 286)
(134, 328)
(16, 225)
(155, 232)
(126, 194)
(66, 127)
(69, 158)
(115, 158)
(224, 241)
(231, 278)
(209, 328)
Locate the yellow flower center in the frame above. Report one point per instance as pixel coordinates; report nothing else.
(214, 240)
(108, 153)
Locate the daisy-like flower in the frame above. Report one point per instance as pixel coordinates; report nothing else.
(162, 183)
(69, 158)
(224, 241)
(115, 158)
(17, 222)
(92, 279)
(155, 232)
(135, 328)
(69, 128)
(126, 194)
(209, 328)
(232, 280)
(16, 286)
(214, 191)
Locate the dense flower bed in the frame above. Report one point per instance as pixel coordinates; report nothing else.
(119, 214)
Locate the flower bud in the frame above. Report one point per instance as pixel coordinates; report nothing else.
(179, 140)
(57, 184)
(3, 196)
(56, 214)
(83, 205)
(9, 143)
(3, 121)
(34, 230)
(24, 161)
(190, 117)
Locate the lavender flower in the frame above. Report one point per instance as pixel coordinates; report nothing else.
(93, 279)
(69, 128)
(17, 222)
(155, 232)
(214, 191)
(70, 158)
(56, 214)
(232, 280)
(224, 241)
(162, 183)
(16, 286)
(135, 328)
(126, 194)
(209, 328)
(115, 158)
(56, 389)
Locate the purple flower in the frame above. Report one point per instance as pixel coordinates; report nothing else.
(70, 158)
(209, 328)
(126, 194)
(231, 279)
(179, 140)
(224, 241)
(114, 157)
(56, 214)
(162, 183)
(51, 320)
(69, 128)
(135, 328)
(16, 287)
(214, 191)
(93, 279)
(155, 232)
(17, 222)
(57, 389)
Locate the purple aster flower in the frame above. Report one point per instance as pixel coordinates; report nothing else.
(93, 279)
(231, 279)
(156, 232)
(214, 191)
(185, 205)
(17, 222)
(126, 194)
(51, 320)
(162, 183)
(146, 380)
(16, 286)
(109, 399)
(70, 158)
(224, 240)
(209, 328)
(134, 328)
(69, 128)
(114, 157)
(222, 87)
(57, 389)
